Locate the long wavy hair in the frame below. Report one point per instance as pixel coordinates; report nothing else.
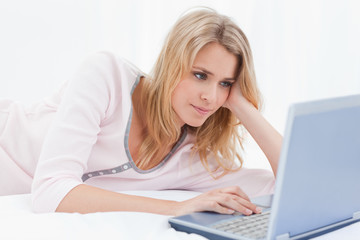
(219, 135)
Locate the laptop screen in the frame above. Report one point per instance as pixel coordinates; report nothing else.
(321, 183)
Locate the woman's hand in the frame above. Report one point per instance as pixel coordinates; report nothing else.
(225, 200)
(236, 100)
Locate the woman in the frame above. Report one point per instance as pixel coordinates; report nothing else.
(118, 129)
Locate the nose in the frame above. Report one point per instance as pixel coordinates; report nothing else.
(209, 93)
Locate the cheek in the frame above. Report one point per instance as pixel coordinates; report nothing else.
(223, 96)
(182, 89)
(174, 100)
(178, 95)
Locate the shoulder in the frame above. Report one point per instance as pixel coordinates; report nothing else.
(105, 60)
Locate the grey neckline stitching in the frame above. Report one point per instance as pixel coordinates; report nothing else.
(131, 164)
(126, 142)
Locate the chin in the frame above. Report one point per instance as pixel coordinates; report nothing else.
(195, 123)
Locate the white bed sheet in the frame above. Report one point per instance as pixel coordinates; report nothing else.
(18, 222)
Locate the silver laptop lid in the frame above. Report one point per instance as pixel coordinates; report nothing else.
(321, 155)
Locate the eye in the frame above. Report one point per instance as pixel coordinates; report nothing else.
(201, 76)
(226, 84)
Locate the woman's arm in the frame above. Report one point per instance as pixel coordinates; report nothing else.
(74, 131)
(86, 199)
(268, 139)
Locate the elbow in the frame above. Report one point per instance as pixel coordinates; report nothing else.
(39, 203)
(47, 195)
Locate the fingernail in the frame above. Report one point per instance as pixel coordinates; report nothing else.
(258, 210)
(248, 211)
(230, 211)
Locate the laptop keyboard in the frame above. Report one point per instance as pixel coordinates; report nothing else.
(254, 226)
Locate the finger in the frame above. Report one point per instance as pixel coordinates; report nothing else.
(205, 202)
(235, 190)
(249, 205)
(216, 207)
(239, 204)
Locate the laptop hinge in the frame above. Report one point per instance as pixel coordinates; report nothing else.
(356, 215)
(284, 236)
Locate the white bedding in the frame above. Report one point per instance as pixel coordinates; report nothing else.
(18, 222)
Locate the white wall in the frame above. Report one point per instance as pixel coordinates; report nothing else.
(303, 49)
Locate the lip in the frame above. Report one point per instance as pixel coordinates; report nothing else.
(201, 111)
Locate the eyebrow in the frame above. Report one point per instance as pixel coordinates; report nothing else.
(210, 73)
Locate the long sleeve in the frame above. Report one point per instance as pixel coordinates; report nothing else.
(73, 133)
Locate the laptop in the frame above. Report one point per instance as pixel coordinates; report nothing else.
(318, 180)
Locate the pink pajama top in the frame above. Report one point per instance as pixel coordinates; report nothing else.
(80, 136)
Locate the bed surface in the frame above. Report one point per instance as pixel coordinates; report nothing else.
(18, 222)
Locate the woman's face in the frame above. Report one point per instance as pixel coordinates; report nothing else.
(206, 87)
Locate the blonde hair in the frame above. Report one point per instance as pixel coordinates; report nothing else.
(190, 34)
